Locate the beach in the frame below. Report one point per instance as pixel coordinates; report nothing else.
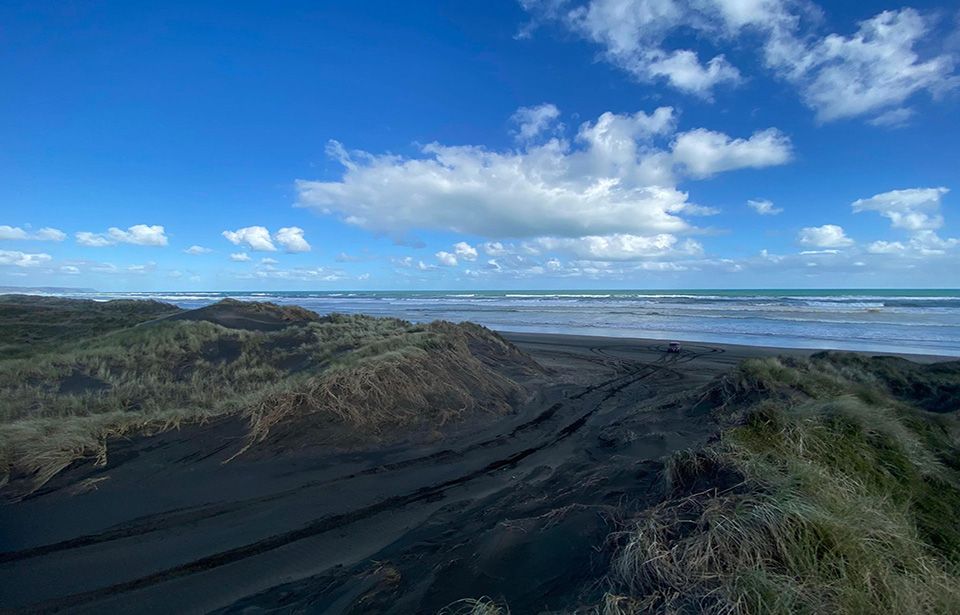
(170, 527)
(918, 321)
(247, 456)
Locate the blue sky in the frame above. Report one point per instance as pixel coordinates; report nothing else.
(539, 144)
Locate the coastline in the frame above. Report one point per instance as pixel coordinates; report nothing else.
(530, 340)
(899, 321)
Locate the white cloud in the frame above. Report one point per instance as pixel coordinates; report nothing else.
(23, 259)
(142, 269)
(70, 270)
(138, 234)
(12, 232)
(446, 259)
(196, 250)
(494, 248)
(465, 251)
(291, 238)
(874, 71)
(886, 247)
(49, 234)
(256, 238)
(764, 207)
(704, 152)
(895, 118)
(613, 180)
(44, 234)
(93, 240)
(269, 261)
(914, 209)
(301, 274)
(633, 33)
(826, 236)
(240, 257)
(531, 122)
(617, 247)
(928, 243)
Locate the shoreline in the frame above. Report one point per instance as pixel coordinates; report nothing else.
(741, 351)
(914, 322)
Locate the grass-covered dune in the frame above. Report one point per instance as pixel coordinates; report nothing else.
(833, 488)
(31, 323)
(75, 374)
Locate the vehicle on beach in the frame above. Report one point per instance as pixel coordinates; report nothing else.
(673, 347)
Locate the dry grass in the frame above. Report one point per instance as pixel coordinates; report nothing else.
(475, 606)
(362, 373)
(820, 499)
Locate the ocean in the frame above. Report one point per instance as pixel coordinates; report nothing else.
(905, 321)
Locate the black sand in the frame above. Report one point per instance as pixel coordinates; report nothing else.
(512, 509)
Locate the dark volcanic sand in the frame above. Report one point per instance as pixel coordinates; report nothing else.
(513, 510)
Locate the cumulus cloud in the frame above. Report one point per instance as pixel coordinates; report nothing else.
(240, 257)
(886, 247)
(705, 152)
(44, 234)
(446, 259)
(291, 238)
(613, 178)
(871, 72)
(259, 239)
(531, 122)
(465, 251)
(764, 207)
(914, 209)
(826, 236)
(23, 259)
(256, 238)
(494, 248)
(138, 234)
(197, 250)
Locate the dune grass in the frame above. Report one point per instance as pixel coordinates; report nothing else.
(475, 606)
(30, 324)
(65, 403)
(826, 493)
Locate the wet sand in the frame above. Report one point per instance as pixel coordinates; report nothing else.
(511, 508)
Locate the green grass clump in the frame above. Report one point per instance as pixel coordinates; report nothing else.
(820, 497)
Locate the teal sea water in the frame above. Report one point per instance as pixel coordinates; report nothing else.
(915, 321)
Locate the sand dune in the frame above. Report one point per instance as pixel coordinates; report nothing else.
(520, 507)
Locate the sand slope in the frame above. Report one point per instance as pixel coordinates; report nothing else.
(166, 527)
